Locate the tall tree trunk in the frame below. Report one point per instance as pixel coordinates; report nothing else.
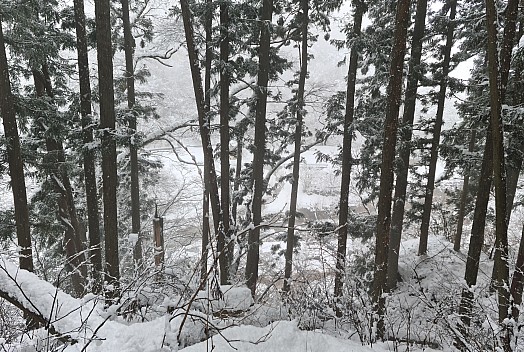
(16, 164)
(501, 282)
(513, 172)
(479, 217)
(464, 196)
(260, 145)
(107, 124)
(74, 233)
(89, 155)
(206, 231)
(224, 142)
(515, 159)
(204, 127)
(505, 63)
(394, 97)
(304, 6)
(477, 230)
(129, 48)
(406, 133)
(347, 158)
(430, 186)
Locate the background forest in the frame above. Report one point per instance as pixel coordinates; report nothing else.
(256, 175)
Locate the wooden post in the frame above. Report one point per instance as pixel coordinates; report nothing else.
(158, 236)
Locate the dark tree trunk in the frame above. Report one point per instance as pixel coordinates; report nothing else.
(304, 6)
(206, 230)
(224, 142)
(477, 230)
(360, 8)
(14, 159)
(89, 155)
(505, 63)
(129, 48)
(238, 170)
(74, 232)
(107, 124)
(501, 277)
(394, 97)
(406, 133)
(430, 186)
(515, 158)
(204, 127)
(260, 145)
(513, 172)
(464, 196)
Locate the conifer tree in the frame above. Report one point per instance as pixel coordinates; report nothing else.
(14, 158)
(347, 158)
(394, 91)
(406, 132)
(300, 111)
(443, 86)
(129, 48)
(260, 144)
(58, 176)
(88, 154)
(107, 124)
(204, 127)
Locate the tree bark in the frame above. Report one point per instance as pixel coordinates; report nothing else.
(288, 267)
(347, 158)
(394, 96)
(477, 230)
(406, 133)
(260, 145)
(15, 161)
(129, 48)
(515, 159)
(206, 231)
(224, 142)
(481, 204)
(88, 153)
(505, 63)
(513, 172)
(430, 186)
(107, 124)
(501, 279)
(238, 170)
(204, 127)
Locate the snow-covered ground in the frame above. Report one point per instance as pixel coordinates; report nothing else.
(420, 310)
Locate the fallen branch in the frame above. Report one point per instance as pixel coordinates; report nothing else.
(29, 309)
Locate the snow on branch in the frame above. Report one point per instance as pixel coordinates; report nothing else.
(39, 300)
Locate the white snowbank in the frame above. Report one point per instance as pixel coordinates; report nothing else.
(279, 336)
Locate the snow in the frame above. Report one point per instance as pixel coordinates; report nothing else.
(41, 297)
(280, 336)
(234, 299)
(430, 289)
(132, 237)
